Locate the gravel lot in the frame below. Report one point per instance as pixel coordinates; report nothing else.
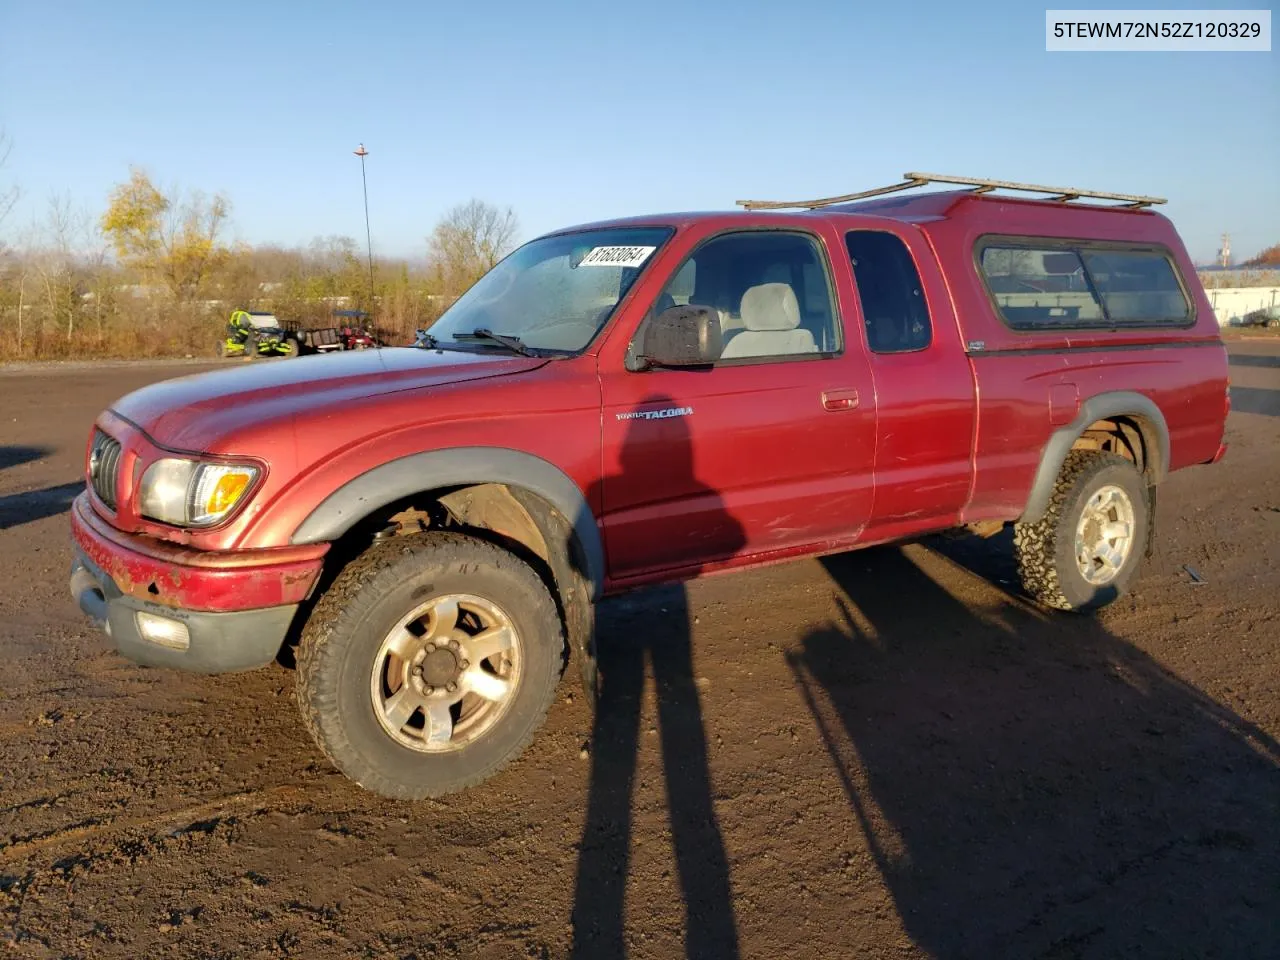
(882, 754)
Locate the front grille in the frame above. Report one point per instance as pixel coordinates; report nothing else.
(104, 465)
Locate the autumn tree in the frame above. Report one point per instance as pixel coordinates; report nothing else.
(167, 239)
(1269, 257)
(467, 243)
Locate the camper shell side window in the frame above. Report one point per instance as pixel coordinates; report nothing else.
(1038, 283)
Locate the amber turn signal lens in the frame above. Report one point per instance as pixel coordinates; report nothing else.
(218, 488)
(227, 492)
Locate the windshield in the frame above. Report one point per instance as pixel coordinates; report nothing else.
(554, 293)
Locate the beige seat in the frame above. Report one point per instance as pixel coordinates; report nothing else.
(770, 321)
(729, 324)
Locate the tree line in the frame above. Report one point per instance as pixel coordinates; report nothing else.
(1268, 258)
(154, 274)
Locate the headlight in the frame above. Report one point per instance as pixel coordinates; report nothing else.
(189, 493)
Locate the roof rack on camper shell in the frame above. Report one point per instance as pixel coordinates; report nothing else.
(913, 180)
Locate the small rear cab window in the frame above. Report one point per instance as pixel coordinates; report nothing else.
(1038, 284)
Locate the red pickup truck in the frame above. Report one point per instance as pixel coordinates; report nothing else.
(647, 400)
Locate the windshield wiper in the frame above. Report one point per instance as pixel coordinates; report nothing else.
(425, 340)
(514, 344)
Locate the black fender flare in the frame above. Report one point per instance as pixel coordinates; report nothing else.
(457, 467)
(1114, 404)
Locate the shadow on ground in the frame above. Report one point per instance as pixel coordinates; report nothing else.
(1255, 400)
(19, 508)
(1253, 360)
(1030, 785)
(663, 644)
(14, 456)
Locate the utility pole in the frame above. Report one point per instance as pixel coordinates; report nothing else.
(361, 152)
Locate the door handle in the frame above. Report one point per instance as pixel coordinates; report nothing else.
(839, 399)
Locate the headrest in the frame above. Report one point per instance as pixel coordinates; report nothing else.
(770, 306)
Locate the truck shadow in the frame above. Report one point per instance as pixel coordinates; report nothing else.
(1253, 360)
(15, 456)
(19, 508)
(651, 630)
(1255, 400)
(1030, 785)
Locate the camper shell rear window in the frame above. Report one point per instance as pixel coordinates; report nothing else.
(1039, 283)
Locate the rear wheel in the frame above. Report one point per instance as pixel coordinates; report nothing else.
(429, 664)
(1087, 548)
(288, 347)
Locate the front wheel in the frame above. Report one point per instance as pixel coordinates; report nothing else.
(429, 664)
(1087, 548)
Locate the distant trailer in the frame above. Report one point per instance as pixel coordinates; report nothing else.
(315, 339)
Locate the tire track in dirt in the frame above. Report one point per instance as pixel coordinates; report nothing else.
(97, 830)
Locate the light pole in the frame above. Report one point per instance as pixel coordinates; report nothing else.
(361, 152)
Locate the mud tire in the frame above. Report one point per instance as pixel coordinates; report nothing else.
(1045, 550)
(347, 626)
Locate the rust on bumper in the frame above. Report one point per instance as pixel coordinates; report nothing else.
(177, 576)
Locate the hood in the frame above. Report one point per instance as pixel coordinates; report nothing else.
(196, 413)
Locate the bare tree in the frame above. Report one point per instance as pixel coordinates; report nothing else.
(9, 194)
(96, 258)
(25, 253)
(48, 256)
(60, 259)
(333, 254)
(467, 243)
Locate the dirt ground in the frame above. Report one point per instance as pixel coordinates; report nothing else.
(883, 754)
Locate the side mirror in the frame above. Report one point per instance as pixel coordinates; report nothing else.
(688, 336)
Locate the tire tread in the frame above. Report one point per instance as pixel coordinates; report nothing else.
(1035, 544)
(352, 595)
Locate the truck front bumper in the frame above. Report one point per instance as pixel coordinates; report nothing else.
(213, 613)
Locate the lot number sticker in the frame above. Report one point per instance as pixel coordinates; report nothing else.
(616, 256)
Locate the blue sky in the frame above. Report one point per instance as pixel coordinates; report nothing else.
(576, 111)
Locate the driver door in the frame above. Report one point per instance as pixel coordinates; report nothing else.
(769, 450)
